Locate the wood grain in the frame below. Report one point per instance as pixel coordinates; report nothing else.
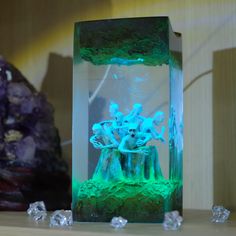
(195, 223)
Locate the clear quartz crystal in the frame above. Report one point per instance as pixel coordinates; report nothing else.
(37, 211)
(118, 222)
(61, 218)
(172, 220)
(219, 214)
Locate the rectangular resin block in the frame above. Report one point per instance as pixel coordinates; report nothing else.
(127, 120)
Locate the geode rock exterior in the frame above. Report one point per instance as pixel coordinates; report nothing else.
(31, 166)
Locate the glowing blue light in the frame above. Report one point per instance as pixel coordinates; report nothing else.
(115, 76)
(127, 62)
(139, 79)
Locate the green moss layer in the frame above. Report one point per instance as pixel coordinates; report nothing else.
(135, 201)
(128, 39)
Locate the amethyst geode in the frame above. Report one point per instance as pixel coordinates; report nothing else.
(31, 166)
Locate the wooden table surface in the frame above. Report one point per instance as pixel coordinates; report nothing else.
(196, 222)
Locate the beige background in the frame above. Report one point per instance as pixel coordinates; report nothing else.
(37, 37)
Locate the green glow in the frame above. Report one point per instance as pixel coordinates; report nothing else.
(137, 201)
(136, 191)
(140, 198)
(124, 38)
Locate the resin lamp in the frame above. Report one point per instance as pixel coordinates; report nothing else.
(127, 120)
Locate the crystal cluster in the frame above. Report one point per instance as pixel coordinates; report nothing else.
(220, 214)
(31, 166)
(61, 218)
(118, 222)
(172, 220)
(37, 211)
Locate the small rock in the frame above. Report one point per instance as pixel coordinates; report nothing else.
(220, 214)
(37, 211)
(118, 222)
(172, 220)
(61, 218)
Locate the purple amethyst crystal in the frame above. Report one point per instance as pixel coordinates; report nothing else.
(31, 166)
(17, 93)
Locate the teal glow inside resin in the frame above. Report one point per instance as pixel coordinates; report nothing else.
(127, 120)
